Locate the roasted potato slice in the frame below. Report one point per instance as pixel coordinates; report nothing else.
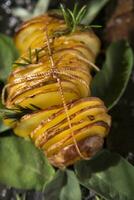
(53, 74)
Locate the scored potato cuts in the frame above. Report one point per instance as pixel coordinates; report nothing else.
(53, 74)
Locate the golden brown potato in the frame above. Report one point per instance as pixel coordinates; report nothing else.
(53, 74)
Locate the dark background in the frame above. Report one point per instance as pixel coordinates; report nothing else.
(117, 23)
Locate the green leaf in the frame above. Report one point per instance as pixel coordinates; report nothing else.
(2, 126)
(22, 13)
(93, 8)
(110, 83)
(18, 197)
(22, 165)
(64, 186)
(8, 54)
(53, 189)
(71, 190)
(108, 174)
(39, 9)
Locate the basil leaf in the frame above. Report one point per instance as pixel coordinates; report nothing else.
(108, 174)
(93, 8)
(64, 186)
(110, 83)
(8, 54)
(22, 165)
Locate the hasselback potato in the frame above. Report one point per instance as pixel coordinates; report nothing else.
(49, 93)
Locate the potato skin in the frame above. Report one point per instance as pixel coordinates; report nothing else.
(70, 124)
(69, 155)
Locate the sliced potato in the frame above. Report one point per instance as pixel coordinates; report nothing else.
(53, 73)
(29, 122)
(69, 155)
(32, 95)
(59, 117)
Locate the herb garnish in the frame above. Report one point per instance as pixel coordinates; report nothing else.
(18, 112)
(73, 18)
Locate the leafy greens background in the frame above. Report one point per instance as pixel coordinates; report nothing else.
(122, 48)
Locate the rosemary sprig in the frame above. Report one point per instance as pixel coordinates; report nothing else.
(29, 60)
(30, 54)
(20, 64)
(18, 112)
(87, 27)
(73, 18)
(36, 55)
